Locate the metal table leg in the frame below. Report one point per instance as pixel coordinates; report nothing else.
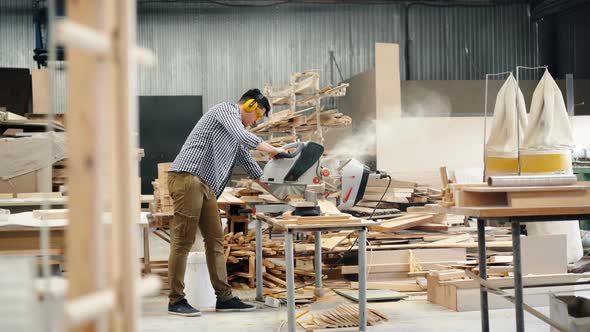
(362, 263)
(483, 272)
(518, 307)
(318, 263)
(290, 281)
(259, 259)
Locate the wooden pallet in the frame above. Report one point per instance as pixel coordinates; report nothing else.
(343, 316)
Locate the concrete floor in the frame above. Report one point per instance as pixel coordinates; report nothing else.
(414, 314)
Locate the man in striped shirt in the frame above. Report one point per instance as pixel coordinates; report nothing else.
(197, 178)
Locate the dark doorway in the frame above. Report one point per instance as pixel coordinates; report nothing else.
(164, 124)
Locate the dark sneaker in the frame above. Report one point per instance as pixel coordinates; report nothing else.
(233, 304)
(182, 308)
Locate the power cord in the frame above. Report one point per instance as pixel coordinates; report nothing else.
(382, 196)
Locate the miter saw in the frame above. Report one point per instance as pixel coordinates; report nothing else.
(293, 173)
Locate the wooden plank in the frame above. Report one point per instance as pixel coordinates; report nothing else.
(454, 239)
(581, 186)
(401, 224)
(373, 295)
(50, 214)
(269, 198)
(423, 255)
(394, 267)
(274, 279)
(26, 240)
(528, 280)
(39, 195)
(252, 199)
(333, 241)
(441, 294)
(500, 259)
(548, 198)
(40, 87)
(431, 227)
(504, 211)
(86, 83)
(124, 168)
(327, 207)
(399, 286)
(449, 274)
(489, 244)
(394, 183)
(229, 198)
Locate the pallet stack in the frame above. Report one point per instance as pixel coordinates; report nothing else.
(240, 253)
(343, 316)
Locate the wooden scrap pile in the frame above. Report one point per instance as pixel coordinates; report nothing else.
(162, 199)
(240, 253)
(399, 192)
(343, 316)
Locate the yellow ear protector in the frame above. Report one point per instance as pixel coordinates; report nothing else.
(251, 105)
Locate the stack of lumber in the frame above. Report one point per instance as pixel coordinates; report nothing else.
(240, 253)
(287, 122)
(399, 192)
(343, 316)
(162, 199)
(404, 263)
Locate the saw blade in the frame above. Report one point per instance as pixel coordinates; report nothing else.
(281, 191)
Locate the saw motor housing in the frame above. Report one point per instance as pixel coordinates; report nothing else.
(291, 173)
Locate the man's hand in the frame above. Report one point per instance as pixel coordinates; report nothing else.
(276, 152)
(265, 147)
(262, 184)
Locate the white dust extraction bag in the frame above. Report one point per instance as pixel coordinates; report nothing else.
(502, 143)
(547, 149)
(548, 142)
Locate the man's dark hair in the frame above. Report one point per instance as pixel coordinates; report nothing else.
(259, 97)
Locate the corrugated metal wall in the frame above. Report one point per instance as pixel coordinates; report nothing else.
(17, 39)
(454, 43)
(219, 52)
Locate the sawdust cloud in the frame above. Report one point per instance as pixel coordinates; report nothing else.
(361, 143)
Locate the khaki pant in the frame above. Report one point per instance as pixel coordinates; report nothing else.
(195, 204)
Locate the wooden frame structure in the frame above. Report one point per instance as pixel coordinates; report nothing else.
(102, 103)
(303, 114)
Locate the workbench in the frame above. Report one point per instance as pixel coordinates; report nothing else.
(20, 234)
(53, 202)
(514, 216)
(289, 228)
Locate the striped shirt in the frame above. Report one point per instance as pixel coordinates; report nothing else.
(216, 142)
